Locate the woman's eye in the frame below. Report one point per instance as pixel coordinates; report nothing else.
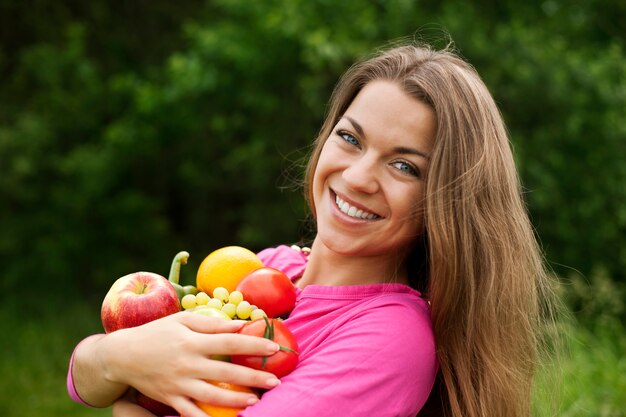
(406, 168)
(348, 138)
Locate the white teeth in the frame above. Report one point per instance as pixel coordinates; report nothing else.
(353, 211)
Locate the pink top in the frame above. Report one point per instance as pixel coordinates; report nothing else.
(364, 350)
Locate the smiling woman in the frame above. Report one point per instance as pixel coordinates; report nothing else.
(477, 260)
(424, 259)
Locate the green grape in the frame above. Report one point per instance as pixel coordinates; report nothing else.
(221, 293)
(230, 309)
(253, 307)
(235, 297)
(257, 314)
(202, 298)
(243, 310)
(211, 312)
(215, 303)
(188, 301)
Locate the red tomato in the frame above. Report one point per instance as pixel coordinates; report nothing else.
(270, 290)
(280, 363)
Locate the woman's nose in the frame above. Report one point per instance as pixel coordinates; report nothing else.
(361, 175)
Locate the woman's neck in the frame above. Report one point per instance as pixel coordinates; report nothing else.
(328, 267)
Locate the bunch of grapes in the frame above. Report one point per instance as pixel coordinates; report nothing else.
(232, 304)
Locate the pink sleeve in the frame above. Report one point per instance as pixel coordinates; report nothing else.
(290, 261)
(360, 371)
(71, 388)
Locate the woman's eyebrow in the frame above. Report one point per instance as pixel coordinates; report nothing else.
(403, 150)
(411, 151)
(356, 125)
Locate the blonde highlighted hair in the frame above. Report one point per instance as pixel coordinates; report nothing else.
(479, 263)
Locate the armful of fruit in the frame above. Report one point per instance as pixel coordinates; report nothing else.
(172, 357)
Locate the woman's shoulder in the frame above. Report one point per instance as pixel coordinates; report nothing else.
(291, 260)
(394, 319)
(396, 312)
(393, 297)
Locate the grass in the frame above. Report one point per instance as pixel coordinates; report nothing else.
(36, 347)
(590, 377)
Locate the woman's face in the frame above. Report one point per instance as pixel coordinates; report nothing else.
(369, 182)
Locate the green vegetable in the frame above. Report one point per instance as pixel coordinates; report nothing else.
(174, 278)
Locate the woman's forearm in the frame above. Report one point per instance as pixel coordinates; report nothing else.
(91, 375)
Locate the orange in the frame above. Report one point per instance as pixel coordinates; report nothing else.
(225, 267)
(221, 411)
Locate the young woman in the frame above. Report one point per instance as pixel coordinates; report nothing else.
(424, 272)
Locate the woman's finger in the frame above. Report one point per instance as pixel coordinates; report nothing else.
(234, 374)
(218, 336)
(204, 324)
(187, 408)
(237, 344)
(209, 393)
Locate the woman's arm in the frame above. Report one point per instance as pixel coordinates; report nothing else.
(86, 379)
(170, 360)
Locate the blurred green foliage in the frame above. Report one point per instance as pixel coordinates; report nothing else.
(130, 131)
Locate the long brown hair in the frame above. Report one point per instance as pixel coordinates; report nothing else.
(482, 269)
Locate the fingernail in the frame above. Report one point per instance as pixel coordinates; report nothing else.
(252, 400)
(272, 382)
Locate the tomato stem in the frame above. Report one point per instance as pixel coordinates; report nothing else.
(286, 349)
(268, 333)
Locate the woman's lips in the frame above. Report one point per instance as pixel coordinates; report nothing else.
(352, 210)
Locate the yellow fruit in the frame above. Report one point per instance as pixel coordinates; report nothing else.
(221, 411)
(225, 267)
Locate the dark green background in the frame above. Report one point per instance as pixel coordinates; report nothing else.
(132, 130)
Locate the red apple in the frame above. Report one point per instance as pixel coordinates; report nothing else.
(136, 299)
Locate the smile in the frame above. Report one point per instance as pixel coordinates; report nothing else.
(352, 211)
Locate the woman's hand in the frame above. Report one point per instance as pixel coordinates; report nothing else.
(169, 360)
